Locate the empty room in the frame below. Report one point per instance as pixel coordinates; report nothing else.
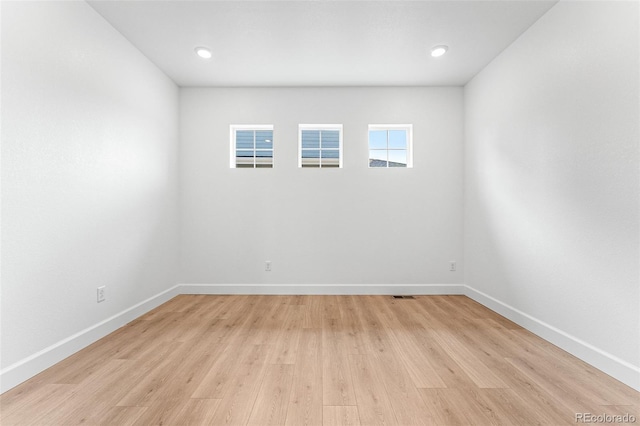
(320, 212)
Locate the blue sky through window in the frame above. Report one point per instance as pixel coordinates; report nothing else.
(388, 148)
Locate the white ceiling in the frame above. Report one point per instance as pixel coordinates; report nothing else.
(321, 43)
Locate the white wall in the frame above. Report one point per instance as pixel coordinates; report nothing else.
(353, 225)
(89, 180)
(552, 182)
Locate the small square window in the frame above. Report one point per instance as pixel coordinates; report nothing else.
(320, 145)
(390, 145)
(251, 146)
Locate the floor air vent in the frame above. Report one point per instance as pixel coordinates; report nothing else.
(403, 297)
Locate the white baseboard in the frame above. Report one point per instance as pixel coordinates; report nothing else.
(617, 368)
(40, 361)
(323, 289)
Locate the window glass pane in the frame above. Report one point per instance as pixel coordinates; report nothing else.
(243, 154)
(330, 139)
(310, 153)
(398, 158)
(311, 139)
(330, 153)
(266, 153)
(377, 139)
(264, 139)
(244, 139)
(378, 158)
(397, 139)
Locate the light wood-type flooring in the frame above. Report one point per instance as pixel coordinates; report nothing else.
(318, 360)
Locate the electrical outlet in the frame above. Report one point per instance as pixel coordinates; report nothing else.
(452, 266)
(267, 266)
(101, 294)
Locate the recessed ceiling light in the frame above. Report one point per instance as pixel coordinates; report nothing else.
(439, 50)
(203, 52)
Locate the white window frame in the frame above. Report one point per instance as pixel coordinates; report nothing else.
(337, 127)
(409, 130)
(233, 128)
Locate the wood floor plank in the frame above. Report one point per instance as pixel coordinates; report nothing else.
(234, 304)
(330, 308)
(405, 314)
(213, 384)
(243, 331)
(535, 397)
(545, 379)
(337, 384)
(237, 403)
(445, 366)
(454, 407)
(599, 387)
(626, 411)
(563, 369)
(268, 318)
(167, 404)
(270, 407)
(482, 376)
(314, 360)
(300, 300)
(350, 328)
(374, 406)
(174, 412)
(195, 412)
(482, 407)
(134, 338)
(340, 416)
(313, 313)
(305, 400)
(422, 372)
(285, 345)
(98, 394)
(491, 350)
(45, 398)
(408, 406)
(149, 337)
(436, 318)
(367, 314)
(349, 314)
(506, 407)
(143, 392)
(122, 416)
